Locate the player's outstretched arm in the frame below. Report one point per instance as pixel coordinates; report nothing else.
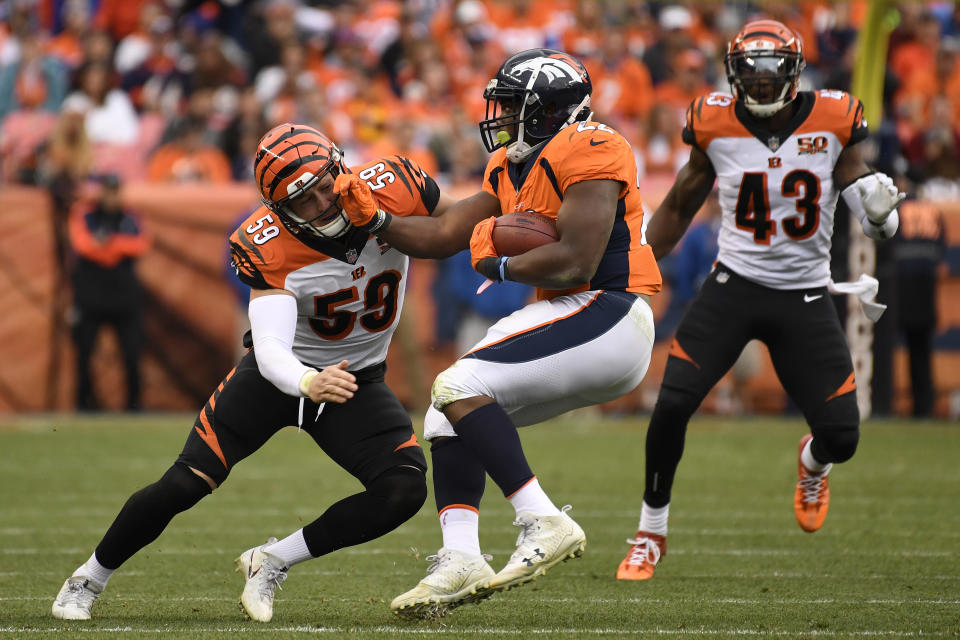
(686, 196)
(445, 232)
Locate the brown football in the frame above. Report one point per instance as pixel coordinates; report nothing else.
(516, 233)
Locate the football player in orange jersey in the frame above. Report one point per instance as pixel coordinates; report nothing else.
(587, 340)
(781, 158)
(325, 299)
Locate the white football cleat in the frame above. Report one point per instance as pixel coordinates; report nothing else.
(76, 598)
(544, 542)
(455, 578)
(263, 573)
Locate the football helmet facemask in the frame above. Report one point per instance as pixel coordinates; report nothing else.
(292, 159)
(535, 94)
(763, 64)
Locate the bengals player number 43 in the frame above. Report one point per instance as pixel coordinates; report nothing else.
(781, 158)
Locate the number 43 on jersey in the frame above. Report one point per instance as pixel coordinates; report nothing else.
(753, 206)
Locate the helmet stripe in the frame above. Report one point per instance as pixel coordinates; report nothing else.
(291, 166)
(765, 34)
(292, 169)
(294, 131)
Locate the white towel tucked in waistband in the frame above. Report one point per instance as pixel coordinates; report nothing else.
(866, 289)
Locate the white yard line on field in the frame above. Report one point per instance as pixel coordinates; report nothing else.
(393, 630)
(749, 601)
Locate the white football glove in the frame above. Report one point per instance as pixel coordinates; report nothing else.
(874, 199)
(883, 231)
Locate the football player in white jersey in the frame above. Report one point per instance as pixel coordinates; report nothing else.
(325, 300)
(781, 159)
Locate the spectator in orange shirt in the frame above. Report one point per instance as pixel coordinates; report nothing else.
(404, 138)
(622, 89)
(119, 17)
(919, 41)
(922, 85)
(687, 84)
(67, 46)
(187, 158)
(585, 37)
(527, 24)
(106, 241)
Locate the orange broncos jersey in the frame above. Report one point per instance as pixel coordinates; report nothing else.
(349, 291)
(583, 151)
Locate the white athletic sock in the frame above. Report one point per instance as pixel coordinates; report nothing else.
(461, 530)
(292, 549)
(94, 570)
(811, 463)
(654, 520)
(530, 498)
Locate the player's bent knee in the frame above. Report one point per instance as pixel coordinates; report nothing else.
(401, 491)
(210, 481)
(837, 444)
(182, 487)
(455, 383)
(676, 405)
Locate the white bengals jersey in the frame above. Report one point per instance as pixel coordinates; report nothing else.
(776, 188)
(350, 293)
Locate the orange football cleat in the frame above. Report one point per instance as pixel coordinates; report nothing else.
(812, 497)
(645, 553)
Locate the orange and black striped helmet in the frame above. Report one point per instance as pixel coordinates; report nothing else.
(763, 64)
(291, 159)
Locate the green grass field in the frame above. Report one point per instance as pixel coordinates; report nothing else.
(886, 563)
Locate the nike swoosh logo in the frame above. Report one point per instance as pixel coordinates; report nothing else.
(594, 143)
(807, 298)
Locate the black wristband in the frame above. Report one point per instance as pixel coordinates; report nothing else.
(379, 223)
(490, 268)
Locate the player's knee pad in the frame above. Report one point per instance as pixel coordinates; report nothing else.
(459, 381)
(181, 488)
(400, 491)
(835, 443)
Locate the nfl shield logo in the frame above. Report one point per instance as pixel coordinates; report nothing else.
(352, 255)
(773, 142)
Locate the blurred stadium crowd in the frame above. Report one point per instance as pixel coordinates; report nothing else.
(181, 90)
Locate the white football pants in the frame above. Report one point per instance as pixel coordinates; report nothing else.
(550, 357)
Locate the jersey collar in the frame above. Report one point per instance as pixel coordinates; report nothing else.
(347, 248)
(773, 139)
(518, 172)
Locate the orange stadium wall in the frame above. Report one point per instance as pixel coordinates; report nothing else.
(194, 324)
